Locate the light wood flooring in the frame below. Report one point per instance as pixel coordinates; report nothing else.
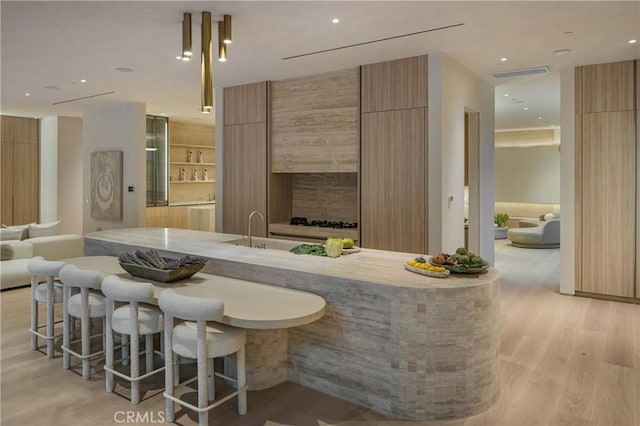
(564, 361)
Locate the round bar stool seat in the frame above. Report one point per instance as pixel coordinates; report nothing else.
(41, 293)
(221, 339)
(149, 318)
(96, 305)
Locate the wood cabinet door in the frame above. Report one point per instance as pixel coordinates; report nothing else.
(392, 85)
(25, 183)
(245, 177)
(393, 209)
(607, 87)
(6, 213)
(608, 203)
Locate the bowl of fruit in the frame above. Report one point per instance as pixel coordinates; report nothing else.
(462, 262)
(419, 265)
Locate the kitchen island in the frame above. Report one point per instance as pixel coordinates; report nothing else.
(403, 344)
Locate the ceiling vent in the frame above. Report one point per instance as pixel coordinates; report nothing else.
(523, 72)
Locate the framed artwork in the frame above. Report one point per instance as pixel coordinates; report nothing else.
(106, 185)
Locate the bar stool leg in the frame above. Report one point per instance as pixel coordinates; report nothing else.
(242, 381)
(169, 363)
(50, 320)
(125, 349)
(34, 320)
(66, 320)
(203, 417)
(85, 324)
(148, 347)
(109, 347)
(211, 390)
(135, 367)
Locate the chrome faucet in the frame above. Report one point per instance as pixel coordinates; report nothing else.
(253, 213)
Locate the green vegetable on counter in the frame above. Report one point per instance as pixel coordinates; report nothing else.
(313, 249)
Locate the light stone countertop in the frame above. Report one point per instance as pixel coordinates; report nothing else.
(369, 266)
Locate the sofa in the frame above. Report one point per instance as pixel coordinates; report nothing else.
(17, 253)
(536, 234)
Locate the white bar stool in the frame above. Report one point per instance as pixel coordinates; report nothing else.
(88, 303)
(133, 319)
(49, 293)
(202, 341)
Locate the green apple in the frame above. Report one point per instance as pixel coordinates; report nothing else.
(347, 243)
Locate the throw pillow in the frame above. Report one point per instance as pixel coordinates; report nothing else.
(7, 234)
(44, 229)
(549, 216)
(24, 230)
(6, 252)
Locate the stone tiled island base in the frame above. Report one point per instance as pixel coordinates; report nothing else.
(402, 344)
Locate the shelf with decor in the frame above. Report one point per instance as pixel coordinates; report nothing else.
(191, 148)
(186, 163)
(193, 181)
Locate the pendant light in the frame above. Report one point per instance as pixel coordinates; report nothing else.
(186, 37)
(206, 65)
(226, 38)
(222, 47)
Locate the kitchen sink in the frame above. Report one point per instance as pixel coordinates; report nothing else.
(264, 243)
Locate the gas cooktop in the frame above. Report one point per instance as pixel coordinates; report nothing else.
(322, 223)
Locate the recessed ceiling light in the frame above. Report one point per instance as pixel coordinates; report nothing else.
(83, 81)
(506, 94)
(27, 94)
(124, 69)
(525, 108)
(539, 118)
(634, 41)
(335, 20)
(503, 59)
(179, 58)
(561, 52)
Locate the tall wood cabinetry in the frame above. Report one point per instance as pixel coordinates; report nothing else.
(394, 155)
(607, 197)
(244, 157)
(20, 145)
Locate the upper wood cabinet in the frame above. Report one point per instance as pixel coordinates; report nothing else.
(314, 123)
(394, 180)
(20, 170)
(606, 87)
(393, 85)
(245, 104)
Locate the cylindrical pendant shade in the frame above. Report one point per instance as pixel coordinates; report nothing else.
(206, 65)
(186, 36)
(226, 38)
(222, 48)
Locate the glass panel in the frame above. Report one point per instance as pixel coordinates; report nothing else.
(156, 153)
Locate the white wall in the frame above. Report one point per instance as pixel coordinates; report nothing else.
(452, 90)
(528, 174)
(116, 126)
(61, 172)
(48, 169)
(567, 182)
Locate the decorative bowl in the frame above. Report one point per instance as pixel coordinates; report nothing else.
(162, 275)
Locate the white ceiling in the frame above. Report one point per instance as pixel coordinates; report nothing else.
(59, 43)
